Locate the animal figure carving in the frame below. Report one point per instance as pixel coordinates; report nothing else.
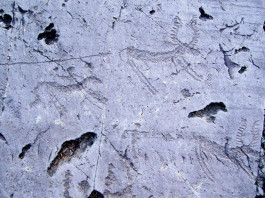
(175, 56)
(205, 151)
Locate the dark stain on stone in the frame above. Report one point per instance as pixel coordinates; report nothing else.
(2, 137)
(208, 111)
(96, 194)
(7, 20)
(71, 149)
(242, 49)
(242, 69)
(24, 151)
(49, 34)
(152, 12)
(84, 185)
(22, 11)
(204, 16)
(186, 93)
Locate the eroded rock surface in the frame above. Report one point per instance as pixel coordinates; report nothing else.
(132, 98)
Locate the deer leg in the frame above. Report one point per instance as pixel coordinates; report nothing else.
(191, 72)
(202, 163)
(142, 77)
(177, 62)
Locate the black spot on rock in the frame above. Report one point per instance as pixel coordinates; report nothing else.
(24, 150)
(242, 69)
(22, 11)
(71, 149)
(49, 34)
(242, 49)
(7, 20)
(204, 16)
(208, 111)
(152, 12)
(49, 27)
(96, 194)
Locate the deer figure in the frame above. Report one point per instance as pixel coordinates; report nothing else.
(176, 55)
(205, 151)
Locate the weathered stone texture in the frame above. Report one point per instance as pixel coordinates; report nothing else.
(131, 98)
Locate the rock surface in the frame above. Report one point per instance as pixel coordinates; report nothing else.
(132, 98)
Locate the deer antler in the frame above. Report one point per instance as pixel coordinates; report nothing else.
(240, 132)
(193, 26)
(255, 134)
(177, 24)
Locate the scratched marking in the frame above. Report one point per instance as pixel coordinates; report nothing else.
(175, 56)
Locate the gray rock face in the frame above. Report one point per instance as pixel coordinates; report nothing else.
(132, 98)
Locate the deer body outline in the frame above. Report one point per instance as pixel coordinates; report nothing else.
(175, 56)
(205, 151)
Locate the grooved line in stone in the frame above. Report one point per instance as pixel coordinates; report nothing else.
(26, 148)
(70, 88)
(55, 60)
(175, 56)
(71, 149)
(228, 63)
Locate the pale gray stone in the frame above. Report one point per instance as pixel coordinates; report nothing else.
(132, 98)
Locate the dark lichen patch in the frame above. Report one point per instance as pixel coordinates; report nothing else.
(209, 111)
(7, 20)
(96, 194)
(21, 10)
(204, 16)
(24, 151)
(84, 185)
(242, 69)
(152, 12)
(186, 93)
(71, 149)
(49, 27)
(2, 137)
(49, 35)
(242, 49)
(264, 26)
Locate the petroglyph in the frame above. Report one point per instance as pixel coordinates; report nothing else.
(175, 56)
(204, 150)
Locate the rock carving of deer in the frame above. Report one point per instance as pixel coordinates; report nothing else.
(176, 55)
